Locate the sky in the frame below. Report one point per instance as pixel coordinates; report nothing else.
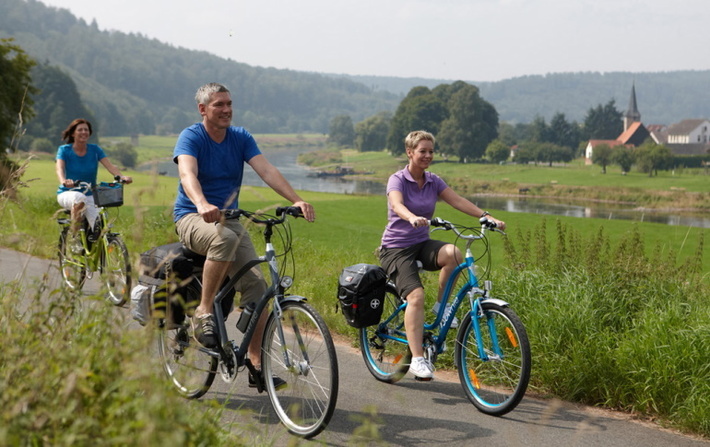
(470, 40)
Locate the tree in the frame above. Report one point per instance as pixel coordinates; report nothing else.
(15, 107)
(651, 157)
(563, 133)
(623, 156)
(497, 151)
(603, 122)
(125, 154)
(15, 93)
(419, 110)
(57, 103)
(510, 134)
(42, 145)
(471, 125)
(550, 153)
(538, 131)
(527, 151)
(602, 156)
(342, 131)
(371, 134)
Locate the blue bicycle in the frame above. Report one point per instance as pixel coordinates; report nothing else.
(492, 351)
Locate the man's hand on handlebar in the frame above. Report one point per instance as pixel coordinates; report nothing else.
(307, 209)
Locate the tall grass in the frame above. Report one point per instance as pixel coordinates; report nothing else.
(612, 327)
(72, 374)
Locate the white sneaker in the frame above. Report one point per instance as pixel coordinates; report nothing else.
(454, 321)
(421, 368)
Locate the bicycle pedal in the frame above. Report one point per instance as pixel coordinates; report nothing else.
(423, 379)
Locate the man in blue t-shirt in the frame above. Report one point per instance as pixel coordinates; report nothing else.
(210, 156)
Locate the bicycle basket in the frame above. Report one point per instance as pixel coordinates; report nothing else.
(108, 194)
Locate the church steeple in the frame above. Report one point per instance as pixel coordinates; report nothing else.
(632, 114)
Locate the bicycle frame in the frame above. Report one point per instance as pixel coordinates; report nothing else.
(275, 293)
(471, 289)
(92, 254)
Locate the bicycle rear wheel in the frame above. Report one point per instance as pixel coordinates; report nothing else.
(495, 382)
(388, 360)
(307, 362)
(71, 259)
(188, 366)
(116, 270)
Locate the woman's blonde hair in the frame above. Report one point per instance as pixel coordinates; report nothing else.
(416, 136)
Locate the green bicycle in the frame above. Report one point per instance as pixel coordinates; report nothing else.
(82, 252)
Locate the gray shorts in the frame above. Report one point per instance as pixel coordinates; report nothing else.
(226, 241)
(401, 264)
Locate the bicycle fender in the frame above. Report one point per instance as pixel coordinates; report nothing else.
(294, 298)
(496, 301)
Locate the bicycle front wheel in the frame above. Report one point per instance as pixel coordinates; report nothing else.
(188, 366)
(387, 359)
(495, 369)
(72, 259)
(305, 359)
(116, 270)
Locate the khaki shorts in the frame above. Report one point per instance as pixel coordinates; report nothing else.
(226, 241)
(401, 264)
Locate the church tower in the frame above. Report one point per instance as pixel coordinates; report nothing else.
(632, 114)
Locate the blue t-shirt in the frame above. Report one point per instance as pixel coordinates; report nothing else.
(220, 166)
(80, 169)
(399, 233)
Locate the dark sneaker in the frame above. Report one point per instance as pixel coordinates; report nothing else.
(279, 383)
(204, 329)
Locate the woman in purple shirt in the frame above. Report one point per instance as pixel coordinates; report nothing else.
(412, 194)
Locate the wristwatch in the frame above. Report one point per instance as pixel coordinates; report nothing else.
(485, 213)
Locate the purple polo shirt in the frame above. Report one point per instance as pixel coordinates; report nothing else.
(399, 233)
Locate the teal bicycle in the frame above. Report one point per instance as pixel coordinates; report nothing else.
(492, 351)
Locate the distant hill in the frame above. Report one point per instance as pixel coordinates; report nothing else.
(663, 98)
(133, 84)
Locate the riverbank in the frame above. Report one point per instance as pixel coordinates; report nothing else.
(685, 190)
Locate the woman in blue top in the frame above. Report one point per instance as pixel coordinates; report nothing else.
(78, 161)
(412, 194)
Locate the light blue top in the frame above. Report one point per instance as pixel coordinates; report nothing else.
(220, 166)
(80, 169)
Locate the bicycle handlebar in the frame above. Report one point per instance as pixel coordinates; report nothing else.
(281, 212)
(486, 224)
(85, 186)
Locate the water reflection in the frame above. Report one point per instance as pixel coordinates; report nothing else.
(597, 210)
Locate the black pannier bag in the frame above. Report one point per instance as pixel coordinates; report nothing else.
(361, 292)
(174, 270)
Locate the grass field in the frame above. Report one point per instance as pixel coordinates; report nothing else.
(617, 312)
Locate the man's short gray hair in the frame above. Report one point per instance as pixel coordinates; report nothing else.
(205, 92)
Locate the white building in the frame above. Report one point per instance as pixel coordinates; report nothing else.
(695, 131)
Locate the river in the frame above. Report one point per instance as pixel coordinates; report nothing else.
(302, 178)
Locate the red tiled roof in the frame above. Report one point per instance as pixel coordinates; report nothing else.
(628, 133)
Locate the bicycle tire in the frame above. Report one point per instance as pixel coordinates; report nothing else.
(496, 385)
(387, 360)
(116, 270)
(307, 403)
(190, 369)
(72, 259)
